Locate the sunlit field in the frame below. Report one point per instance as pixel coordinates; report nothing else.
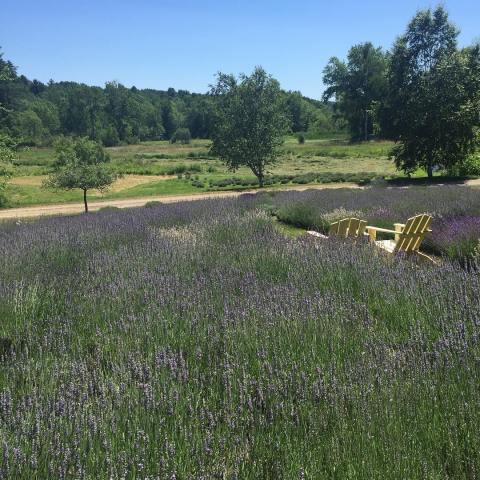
(180, 169)
(206, 340)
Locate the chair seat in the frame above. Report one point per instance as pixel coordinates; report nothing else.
(388, 245)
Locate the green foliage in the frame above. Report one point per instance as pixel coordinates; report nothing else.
(80, 164)
(469, 167)
(301, 138)
(110, 137)
(27, 127)
(7, 155)
(250, 121)
(181, 135)
(433, 103)
(35, 113)
(356, 86)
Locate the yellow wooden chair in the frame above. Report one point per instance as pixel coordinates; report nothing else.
(348, 228)
(345, 228)
(408, 236)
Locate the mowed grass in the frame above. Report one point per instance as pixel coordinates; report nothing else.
(193, 170)
(196, 340)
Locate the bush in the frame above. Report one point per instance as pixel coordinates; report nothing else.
(108, 208)
(301, 138)
(110, 137)
(182, 168)
(152, 204)
(301, 214)
(470, 167)
(181, 135)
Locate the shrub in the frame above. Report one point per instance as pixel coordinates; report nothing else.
(470, 167)
(301, 138)
(108, 208)
(153, 203)
(182, 168)
(181, 135)
(110, 137)
(340, 213)
(301, 214)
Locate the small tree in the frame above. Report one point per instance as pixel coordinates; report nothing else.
(80, 163)
(7, 147)
(249, 121)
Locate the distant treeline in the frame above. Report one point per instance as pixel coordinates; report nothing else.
(35, 113)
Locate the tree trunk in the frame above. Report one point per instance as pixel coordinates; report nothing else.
(260, 180)
(85, 200)
(430, 171)
(366, 125)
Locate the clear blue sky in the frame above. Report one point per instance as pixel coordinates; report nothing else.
(183, 43)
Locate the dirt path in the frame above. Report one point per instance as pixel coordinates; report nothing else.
(72, 208)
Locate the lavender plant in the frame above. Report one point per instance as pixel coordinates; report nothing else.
(193, 340)
(456, 212)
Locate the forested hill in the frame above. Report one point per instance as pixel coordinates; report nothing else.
(35, 113)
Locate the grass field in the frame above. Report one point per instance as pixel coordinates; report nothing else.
(192, 170)
(206, 340)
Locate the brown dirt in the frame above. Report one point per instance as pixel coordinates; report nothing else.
(72, 208)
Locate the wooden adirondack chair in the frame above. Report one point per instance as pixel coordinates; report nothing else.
(408, 236)
(345, 228)
(348, 228)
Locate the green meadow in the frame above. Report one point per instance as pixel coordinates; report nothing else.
(162, 168)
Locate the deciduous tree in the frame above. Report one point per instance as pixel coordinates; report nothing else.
(356, 86)
(433, 104)
(250, 121)
(80, 163)
(7, 154)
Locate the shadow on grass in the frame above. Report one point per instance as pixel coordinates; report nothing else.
(425, 181)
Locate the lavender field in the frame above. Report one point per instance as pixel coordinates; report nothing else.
(196, 341)
(455, 209)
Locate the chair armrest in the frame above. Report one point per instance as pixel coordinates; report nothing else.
(377, 229)
(372, 232)
(402, 225)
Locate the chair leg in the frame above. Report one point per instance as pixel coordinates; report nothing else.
(426, 258)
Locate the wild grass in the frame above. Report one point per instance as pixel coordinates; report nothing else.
(326, 160)
(195, 340)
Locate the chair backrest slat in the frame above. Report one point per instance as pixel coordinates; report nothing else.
(353, 227)
(333, 229)
(343, 227)
(412, 235)
(348, 227)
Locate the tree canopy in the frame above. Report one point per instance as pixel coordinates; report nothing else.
(357, 85)
(7, 154)
(433, 104)
(250, 121)
(80, 163)
(36, 113)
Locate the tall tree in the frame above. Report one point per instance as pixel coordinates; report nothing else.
(250, 121)
(7, 148)
(357, 86)
(8, 73)
(433, 105)
(81, 164)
